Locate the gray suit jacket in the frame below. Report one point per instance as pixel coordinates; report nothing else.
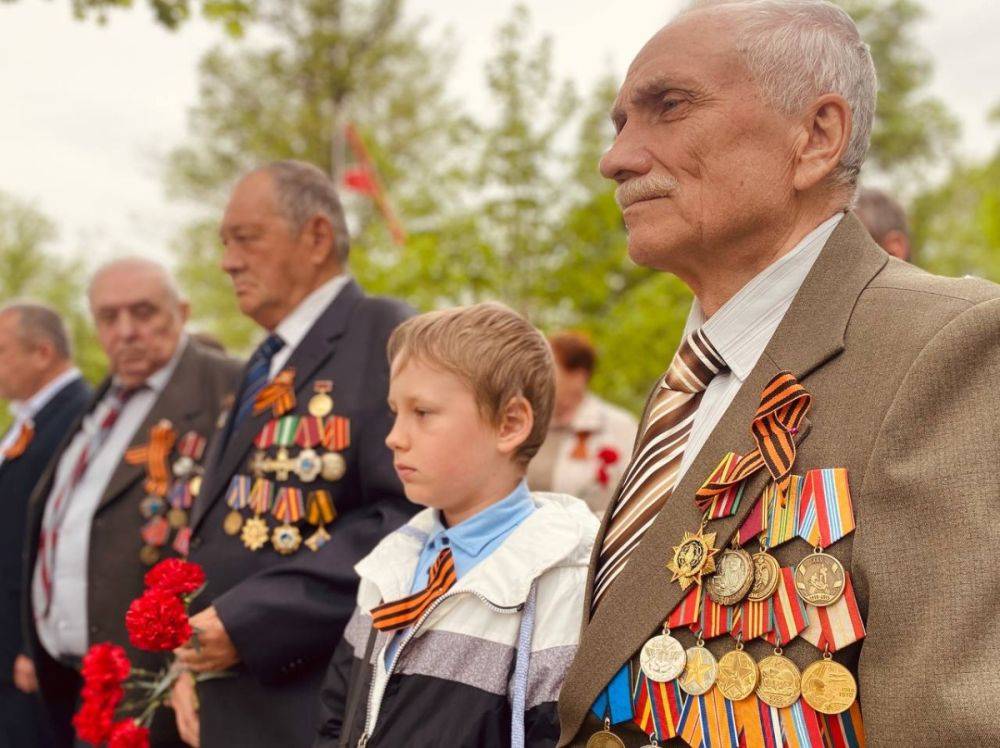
(904, 369)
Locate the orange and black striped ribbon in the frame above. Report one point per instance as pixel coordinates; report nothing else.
(161, 440)
(279, 395)
(20, 444)
(402, 613)
(783, 404)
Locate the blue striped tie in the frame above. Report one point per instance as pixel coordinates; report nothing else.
(258, 371)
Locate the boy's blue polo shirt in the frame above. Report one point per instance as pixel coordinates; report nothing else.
(471, 541)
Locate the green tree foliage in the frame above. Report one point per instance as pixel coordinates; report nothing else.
(233, 15)
(912, 129)
(29, 270)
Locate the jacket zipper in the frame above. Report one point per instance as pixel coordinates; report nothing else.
(363, 740)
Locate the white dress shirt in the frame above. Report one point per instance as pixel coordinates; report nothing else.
(744, 325)
(64, 631)
(293, 328)
(24, 411)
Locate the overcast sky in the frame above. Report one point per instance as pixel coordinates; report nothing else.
(89, 111)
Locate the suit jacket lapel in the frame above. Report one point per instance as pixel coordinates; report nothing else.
(811, 333)
(177, 403)
(317, 347)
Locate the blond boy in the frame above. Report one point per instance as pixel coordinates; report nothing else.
(468, 616)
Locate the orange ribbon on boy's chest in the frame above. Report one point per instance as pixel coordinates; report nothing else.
(783, 404)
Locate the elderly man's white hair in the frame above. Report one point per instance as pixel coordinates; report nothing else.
(798, 50)
(141, 264)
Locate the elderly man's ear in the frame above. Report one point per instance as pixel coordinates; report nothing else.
(826, 130)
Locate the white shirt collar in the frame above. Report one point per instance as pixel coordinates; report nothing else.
(300, 320)
(743, 326)
(24, 410)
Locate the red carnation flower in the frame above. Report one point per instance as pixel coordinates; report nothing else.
(93, 722)
(608, 455)
(157, 621)
(129, 734)
(175, 576)
(105, 666)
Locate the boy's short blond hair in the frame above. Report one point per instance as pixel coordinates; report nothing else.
(495, 350)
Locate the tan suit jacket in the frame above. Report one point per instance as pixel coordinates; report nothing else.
(904, 369)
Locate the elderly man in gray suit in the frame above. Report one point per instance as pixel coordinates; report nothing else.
(801, 548)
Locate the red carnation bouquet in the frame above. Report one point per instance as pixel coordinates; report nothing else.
(157, 621)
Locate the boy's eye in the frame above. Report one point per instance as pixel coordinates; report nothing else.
(420, 412)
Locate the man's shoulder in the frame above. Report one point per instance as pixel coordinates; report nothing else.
(900, 282)
(384, 309)
(214, 360)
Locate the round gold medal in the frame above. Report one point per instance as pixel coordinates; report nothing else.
(286, 539)
(255, 533)
(737, 677)
(828, 687)
(177, 518)
(333, 466)
(149, 555)
(320, 405)
(766, 573)
(605, 739)
(780, 681)
(662, 658)
(819, 579)
(733, 577)
(195, 485)
(700, 671)
(233, 523)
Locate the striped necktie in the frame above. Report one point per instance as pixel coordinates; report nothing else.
(403, 613)
(55, 510)
(258, 373)
(653, 471)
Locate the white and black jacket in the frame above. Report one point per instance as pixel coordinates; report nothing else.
(484, 665)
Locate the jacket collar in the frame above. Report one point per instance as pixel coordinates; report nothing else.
(556, 534)
(811, 334)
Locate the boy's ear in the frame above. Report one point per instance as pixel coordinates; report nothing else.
(516, 423)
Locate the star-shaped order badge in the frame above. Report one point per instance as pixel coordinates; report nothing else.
(693, 558)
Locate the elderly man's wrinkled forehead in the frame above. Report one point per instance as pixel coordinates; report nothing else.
(696, 50)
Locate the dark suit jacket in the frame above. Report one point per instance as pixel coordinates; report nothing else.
(191, 401)
(904, 369)
(285, 614)
(17, 480)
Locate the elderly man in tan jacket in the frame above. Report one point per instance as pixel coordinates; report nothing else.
(802, 546)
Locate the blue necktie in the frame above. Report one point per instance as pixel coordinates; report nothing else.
(258, 370)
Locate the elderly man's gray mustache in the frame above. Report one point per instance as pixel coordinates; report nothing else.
(647, 187)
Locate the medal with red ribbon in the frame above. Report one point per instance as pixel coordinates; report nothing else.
(278, 395)
(752, 619)
(192, 445)
(780, 517)
(289, 505)
(310, 432)
(715, 619)
(835, 626)
(337, 433)
(790, 616)
(726, 502)
(657, 707)
(267, 435)
(826, 513)
(261, 496)
(688, 610)
(154, 455)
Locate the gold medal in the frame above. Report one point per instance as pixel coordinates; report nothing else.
(733, 577)
(693, 558)
(286, 539)
(662, 658)
(605, 738)
(255, 533)
(333, 466)
(149, 555)
(700, 671)
(233, 523)
(780, 681)
(318, 539)
(177, 518)
(766, 574)
(737, 677)
(819, 579)
(195, 485)
(320, 405)
(828, 687)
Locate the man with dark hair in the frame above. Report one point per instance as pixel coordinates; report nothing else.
(885, 220)
(46, 393)
(110, 505)
(301, 486)
(589, 440)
